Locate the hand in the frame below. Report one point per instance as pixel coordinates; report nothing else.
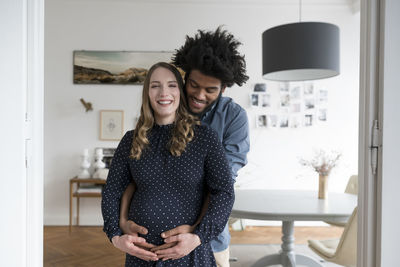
(186, 243)
(131, 228)
(182, 229)
(126, 243)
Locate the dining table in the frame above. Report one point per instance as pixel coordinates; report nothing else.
(289, 206)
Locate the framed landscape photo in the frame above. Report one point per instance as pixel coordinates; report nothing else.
(111, 125)
(115, 67)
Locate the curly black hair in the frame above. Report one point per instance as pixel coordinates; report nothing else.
(214, 54)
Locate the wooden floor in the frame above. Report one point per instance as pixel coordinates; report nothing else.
(89, 246)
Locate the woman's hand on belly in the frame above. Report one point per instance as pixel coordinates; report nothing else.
(181, 229)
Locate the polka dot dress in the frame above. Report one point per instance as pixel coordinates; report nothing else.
(170, 191)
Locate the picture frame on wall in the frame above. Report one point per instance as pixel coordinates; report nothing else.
(115, 67)
(260, 87)
(265, 100)
(111, 125)
(254, 100)
(261, 121)
(272, 121)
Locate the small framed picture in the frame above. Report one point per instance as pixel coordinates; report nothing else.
(284, 121)
(323, 95)
(272, 121)
(308, 120)
(295, 121)
(285, 100)
(309, 103)
(284, 87)
(295, 107)
(261, 121)
(111, 125)
(254, 98)
(265, 100)
(295, 92)
(260, 87)
(308, 88)
(322, 114)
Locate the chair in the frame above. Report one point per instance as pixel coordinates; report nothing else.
(351, 188)
(342, 251)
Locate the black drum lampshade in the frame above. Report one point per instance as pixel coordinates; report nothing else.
(301, 51)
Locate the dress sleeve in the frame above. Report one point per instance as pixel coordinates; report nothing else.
(236, 142)
(118, 179)
(220, 185)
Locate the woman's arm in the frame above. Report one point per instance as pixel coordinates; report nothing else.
(221, 193)
(118, 180)
(119, 177)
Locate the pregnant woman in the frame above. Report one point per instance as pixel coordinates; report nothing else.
(173, 162)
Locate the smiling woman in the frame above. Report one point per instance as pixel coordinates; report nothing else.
(169, 173)
(164, 95)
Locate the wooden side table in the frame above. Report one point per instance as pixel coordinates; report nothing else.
(75, 193)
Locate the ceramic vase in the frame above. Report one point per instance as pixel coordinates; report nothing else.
(323, 186)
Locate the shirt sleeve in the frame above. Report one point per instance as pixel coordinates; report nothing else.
(236, 142)
(220, 185)
(118, 179)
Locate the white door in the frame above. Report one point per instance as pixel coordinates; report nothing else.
(21, 134)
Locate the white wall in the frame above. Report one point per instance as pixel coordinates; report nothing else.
(124, 25)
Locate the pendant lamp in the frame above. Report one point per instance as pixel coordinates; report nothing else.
(300, 51)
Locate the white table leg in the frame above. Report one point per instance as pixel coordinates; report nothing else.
(268, 260)
(286, 256)
(307, 261)
(287, 253)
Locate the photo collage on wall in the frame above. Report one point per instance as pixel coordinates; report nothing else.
(291, 105)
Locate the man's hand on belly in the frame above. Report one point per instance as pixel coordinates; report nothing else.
(131, 228)
(184, 244)
(127, 243)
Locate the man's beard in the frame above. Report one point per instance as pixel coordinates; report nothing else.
(208, 108)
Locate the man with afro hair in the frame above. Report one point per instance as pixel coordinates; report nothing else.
(211, 63)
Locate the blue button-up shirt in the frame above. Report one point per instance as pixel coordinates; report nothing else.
(230, 122)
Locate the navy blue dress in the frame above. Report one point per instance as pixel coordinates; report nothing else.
(170, 191)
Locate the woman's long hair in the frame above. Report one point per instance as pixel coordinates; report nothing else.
(183, 129)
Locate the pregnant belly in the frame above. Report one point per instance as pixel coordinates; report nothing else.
(161, 215)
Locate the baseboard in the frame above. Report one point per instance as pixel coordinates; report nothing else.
(63, 220)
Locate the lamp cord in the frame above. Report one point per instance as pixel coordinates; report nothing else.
(299, 10)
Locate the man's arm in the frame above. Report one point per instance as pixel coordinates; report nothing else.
(125, 203)
(236, 142)
(128, 226)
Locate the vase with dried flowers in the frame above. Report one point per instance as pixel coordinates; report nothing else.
(322, 162)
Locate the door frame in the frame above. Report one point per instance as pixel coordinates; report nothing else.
(370, 187)
(369, 193)
(34, 121)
